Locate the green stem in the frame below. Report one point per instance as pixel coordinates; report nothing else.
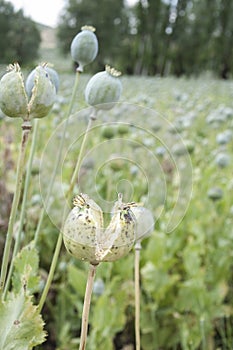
(203, 333)
(24, 201)
(58, 159)
(51, 273)
(137, 293)
(80, 156)
(86, 306)
(68, 197)
(26, 127)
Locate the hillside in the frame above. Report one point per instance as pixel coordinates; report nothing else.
(48, 36)
(49, 51)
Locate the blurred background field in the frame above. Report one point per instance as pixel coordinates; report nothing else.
(183, 115)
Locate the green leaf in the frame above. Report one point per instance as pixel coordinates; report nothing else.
(111, 306)
(26, 268)
(156, 249)
(97, 341)
(192, 260)
(77, 279)
(193, 296)
(21, 326)
(157, 281)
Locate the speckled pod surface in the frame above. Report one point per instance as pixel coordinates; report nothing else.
(119, 235)
(85, 237)
(82, 227)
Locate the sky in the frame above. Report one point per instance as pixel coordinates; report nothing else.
(42, 11)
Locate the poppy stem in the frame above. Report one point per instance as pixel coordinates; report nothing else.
(86, 306)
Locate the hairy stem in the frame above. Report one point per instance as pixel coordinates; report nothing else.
(26, 128)
(86, 306)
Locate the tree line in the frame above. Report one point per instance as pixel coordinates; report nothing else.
(152, 37)
(156, 37)
(19, 36)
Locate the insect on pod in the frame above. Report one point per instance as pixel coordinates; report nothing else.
(85, 237)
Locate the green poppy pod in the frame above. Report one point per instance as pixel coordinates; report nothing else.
(81, 229)
(30, 81)
(223, 160)
(215, 193)
(86, 238)
(145, 222)
(84, 47)
(43, 94)
(54, 77)
(13, 98)
(119, 236)
(104, 89)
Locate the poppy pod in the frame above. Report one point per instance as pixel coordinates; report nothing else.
(104, 89)
(86, 238)
(14, 101)
(84, 47)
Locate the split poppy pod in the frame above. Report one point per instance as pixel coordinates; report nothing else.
(85, 237)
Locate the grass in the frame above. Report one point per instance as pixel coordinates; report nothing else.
(186, 273)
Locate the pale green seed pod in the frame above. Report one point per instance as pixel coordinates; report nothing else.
(104, 89)
(13, 98)
(145, 222)
(85, 237)
(81, 229)
(119, 236)
(215, 193)
(30, 81)
(84, 47)
(43, 94)
(54, 77)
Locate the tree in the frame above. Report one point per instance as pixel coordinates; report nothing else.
(202, 37)
(107, 16)
(152, 41)
(19, 36)
(184, 43)
(6, 14)
(223, 39)
(181, 37)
